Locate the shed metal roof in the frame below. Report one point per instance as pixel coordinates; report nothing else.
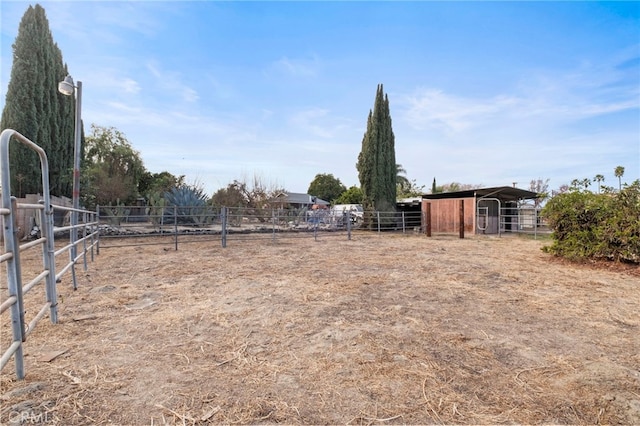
(508, 193)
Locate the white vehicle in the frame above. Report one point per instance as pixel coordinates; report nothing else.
(356, 211)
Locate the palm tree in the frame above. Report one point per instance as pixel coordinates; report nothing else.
(401, 181)
(619, 172)
(599, 178)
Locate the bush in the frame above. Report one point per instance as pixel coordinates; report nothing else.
(190, 204)
(596, 226)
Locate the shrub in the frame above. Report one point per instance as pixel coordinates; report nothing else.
(596, 226)
(190, 204)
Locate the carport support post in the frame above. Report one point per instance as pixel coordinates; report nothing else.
(461, 218)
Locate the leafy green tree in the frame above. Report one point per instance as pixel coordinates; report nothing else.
(112, 168)
(326, 187)
(157, 184)
(353, 195)
(377, 167)
(254, 196)
(231, 196)
(434, 188)
(619, 172)
(36, 109)
(410, 189)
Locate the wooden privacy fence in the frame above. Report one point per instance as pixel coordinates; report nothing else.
(14, 298)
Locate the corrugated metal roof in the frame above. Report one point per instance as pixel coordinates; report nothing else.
(503, 192)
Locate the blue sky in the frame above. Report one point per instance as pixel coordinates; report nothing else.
(484, 93)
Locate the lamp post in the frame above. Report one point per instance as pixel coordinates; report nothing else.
(66, 87)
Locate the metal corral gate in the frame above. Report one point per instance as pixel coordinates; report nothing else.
(12, 248)
(492, 217)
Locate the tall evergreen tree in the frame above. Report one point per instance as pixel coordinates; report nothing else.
(377, 170)
(35, 108)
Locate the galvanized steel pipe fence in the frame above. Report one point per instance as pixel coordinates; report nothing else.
(225, 225)
(84, 234)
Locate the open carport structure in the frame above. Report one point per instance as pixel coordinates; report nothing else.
(485, 210)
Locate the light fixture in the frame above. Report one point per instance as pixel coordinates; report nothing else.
(66, 87)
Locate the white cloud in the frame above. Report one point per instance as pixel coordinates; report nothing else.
(544, 101)
(312, 121)
(298, 67)
(550, 124)
(172, 82)
(130, 86)
(432, 108)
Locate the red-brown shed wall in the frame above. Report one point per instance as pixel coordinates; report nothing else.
(445, 215)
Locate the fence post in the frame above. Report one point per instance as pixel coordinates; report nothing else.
(315, 225)
(403, 224)
(349, 225)
(461, 218)
(84, 239)
(98, 225)
(273, 226)
(17, 265)
(428, 219)
(378, 219)
(49, 260)
(223, 219)
(73, 237)
(93, 231)
(175, 225)
(15, 286)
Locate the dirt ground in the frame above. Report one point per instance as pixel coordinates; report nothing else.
(376, 330)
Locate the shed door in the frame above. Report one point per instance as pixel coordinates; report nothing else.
(488, 216)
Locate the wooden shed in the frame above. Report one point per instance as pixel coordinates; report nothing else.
(486, 210)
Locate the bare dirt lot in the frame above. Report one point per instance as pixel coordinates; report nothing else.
(380, 329)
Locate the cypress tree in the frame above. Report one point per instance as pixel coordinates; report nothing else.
(34, 108)
(376, 165)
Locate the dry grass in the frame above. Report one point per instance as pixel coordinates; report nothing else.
(382, 330)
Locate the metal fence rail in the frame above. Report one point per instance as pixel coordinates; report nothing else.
(14, 299)
(523, 220)
(228, 224)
